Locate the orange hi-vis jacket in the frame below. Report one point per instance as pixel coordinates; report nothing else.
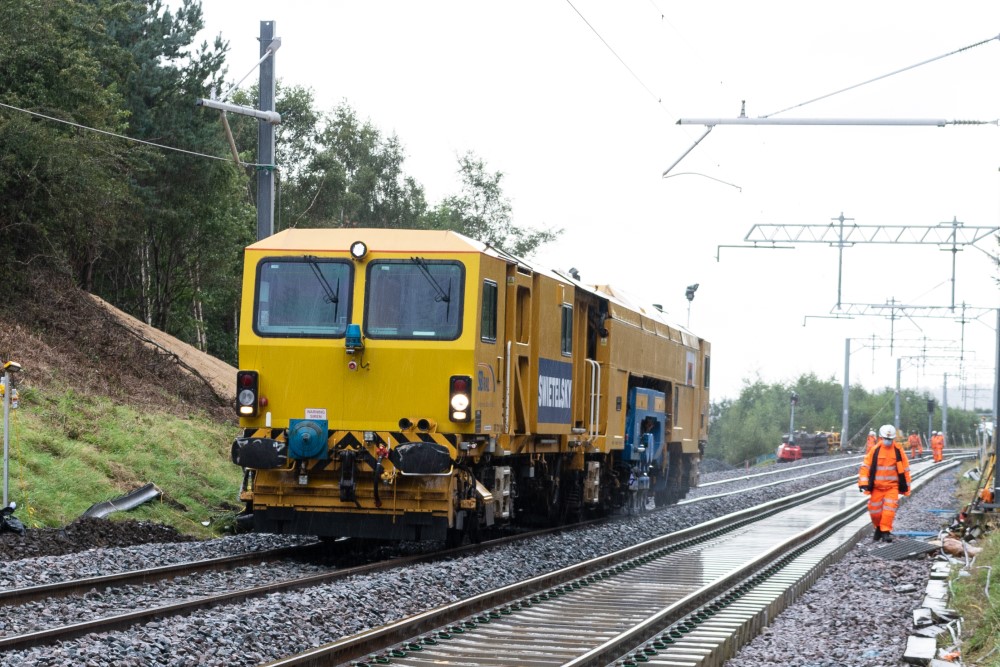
(937, 447)
(892, 470)
(871, 442)
(916, 446)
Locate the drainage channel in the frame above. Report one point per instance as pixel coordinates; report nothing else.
(693, 602)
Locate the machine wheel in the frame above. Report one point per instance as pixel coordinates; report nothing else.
(475, 534)
(454, 538)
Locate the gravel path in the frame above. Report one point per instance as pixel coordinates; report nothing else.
(852, 617)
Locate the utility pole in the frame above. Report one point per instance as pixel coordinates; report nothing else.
(8, 395)
(268, 118)
(899, 372)
(265, 136)
(791, 422)
(930, 418)
(844, 432)
(944, 407)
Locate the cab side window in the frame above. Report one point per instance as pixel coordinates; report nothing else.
(567, 330)
(488, 324)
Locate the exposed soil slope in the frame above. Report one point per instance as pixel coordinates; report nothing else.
(219, 375)
(65, 337)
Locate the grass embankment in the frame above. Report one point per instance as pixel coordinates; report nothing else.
(980, 609)
(69, 451)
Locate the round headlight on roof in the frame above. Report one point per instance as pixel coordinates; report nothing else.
(359, 250)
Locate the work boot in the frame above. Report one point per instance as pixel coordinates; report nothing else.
(887, 537)
(877, 535)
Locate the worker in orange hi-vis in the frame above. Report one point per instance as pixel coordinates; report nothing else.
(871, 442)
(884, 474)
(916, 445)
(937, 446)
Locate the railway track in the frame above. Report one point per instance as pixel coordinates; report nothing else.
(689, 598)
(138, 616)
(145, 577)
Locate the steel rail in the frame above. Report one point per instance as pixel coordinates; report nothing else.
(960, 455)
(124, 621)
(697, 533)
(717, 631)
(13, 596)
(58, 589)
(482, 608)
(625, 642)
(777, 470)
(364, 643)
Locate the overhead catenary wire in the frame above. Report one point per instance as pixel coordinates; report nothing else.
(659, 100)
(131, 139)
(884, 76)
(768, 120)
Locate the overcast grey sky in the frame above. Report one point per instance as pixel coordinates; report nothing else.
(577, 102)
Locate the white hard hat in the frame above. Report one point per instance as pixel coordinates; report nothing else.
(887, 431)
(872, 432)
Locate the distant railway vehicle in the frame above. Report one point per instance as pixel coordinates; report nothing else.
(808, 444)
(419, 385)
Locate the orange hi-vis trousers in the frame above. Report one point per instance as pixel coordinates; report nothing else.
(882, 506)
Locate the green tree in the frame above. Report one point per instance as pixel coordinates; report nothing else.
(63, 190)
(753, 424)
(483, 212)
(350, 176)
(192, 213)
(295, 144)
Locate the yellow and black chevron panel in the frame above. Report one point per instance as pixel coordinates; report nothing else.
(413, 453)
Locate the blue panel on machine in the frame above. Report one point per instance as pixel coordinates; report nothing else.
(555, 391)
(307, 439)
(644, 424)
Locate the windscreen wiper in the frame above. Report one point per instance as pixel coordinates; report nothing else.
(331, 294)
(441, 294)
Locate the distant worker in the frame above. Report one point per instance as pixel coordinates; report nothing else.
(937, 446)
(871, 442)
(884, 474)
(916, 445)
